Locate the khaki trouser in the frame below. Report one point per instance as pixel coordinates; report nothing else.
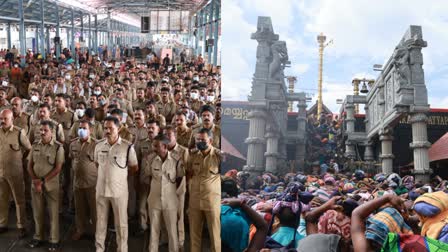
(143, 206)
(132, 204)
(16, 187)
(196, 220)
(52, 199)
(170, 220)
(85, 208)
(120, 211)
(180, 223)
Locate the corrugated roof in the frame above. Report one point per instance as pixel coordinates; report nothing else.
(439, 150)
(228, 148)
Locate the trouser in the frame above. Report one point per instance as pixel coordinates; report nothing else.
(196, 220)
(170, 220)
(16, 187)
(143, 206)
(85, 208)
(132, 205)
(180, 223)
(119, 208)
(52, 199)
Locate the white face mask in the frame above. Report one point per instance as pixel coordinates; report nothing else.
(210, 98)
(96, 92)
(34, 98)
(80, 112)
(196, 78)
(92, 76)
(68, 77)
(194, 96)
(69, 68)
(125, 117)
(4, 83)
(45, 66)
(90, 84)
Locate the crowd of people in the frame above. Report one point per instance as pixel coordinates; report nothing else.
(333, 211)
(120, 138)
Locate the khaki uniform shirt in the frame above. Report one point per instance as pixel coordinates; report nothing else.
(140, 135)
(14, 143)
(216, 130)
(183, 136)
(168, 110)
(158, 118)
(139, 104)
(96, 131)
(125, 133)
(205, 183)
(75, 101)
(58, 132)
(23, 121)
(66, 119)
(196, 105)
(163, 175)
(5, 106)
(83, 163)
(32, 108)
(113, 162)
(145, 148)
(44, 158)
(100, 114)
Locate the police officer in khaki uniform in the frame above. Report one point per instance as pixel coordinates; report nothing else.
(44, 115)
(63, 115)
(96, 130)
(140, 102)
(207, 115)
(21, 119)
(45, 164)
(14, 144)
(165, 176)
(146, 154)
(165, 106)
(115, 158)
(183, 132)
(180, 154)
(153, 115)
(205, 191)
(85, 173)
(123, 130)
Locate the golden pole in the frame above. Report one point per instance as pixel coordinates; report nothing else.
(355, 83)
(321, 40)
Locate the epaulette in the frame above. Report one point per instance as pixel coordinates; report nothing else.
(58, 143)
(194, 151)
(125, 141)
(101, 140)
(17, 128)
(74, 139)
(195, 126)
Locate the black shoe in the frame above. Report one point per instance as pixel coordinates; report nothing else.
(53, 246)
(34, 243)
(3, 230)
(22, 233)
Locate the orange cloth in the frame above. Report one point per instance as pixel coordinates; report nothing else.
(431, 226)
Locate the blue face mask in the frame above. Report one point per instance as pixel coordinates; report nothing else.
(82, 133)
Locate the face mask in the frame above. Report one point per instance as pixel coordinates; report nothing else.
(102, 102)
(194, 96)
(96, 92)
(62, 72)
(34, 98)
(45, 66)
(92, 76)
(108, 114)
(4, 83)
(16, 66)
(82, 133)
(80, 112)
(210, 98)
(67, 77)
(201, 146)
(69, 68)
(125, 117)
(196, 78)
(90, 83)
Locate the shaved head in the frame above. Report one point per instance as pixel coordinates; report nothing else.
(16, 104)
(6, 118)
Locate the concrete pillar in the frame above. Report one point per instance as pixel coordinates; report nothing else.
(301, 130)
(22, 34)
(72, 39)
(256, 141)
(42, 27)
(350, 118)
(216, 33)
(210, 31)
(271, 153)
(386, 156)
(37, 41)
(368, 152)
(8, 34)
(420, 146)
(57, 46)
(350, 152)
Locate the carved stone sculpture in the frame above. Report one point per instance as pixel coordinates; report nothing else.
(279, 60)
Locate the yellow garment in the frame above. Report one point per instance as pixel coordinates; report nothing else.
(431, 226)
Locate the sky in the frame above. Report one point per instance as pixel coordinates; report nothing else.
(364, 33)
